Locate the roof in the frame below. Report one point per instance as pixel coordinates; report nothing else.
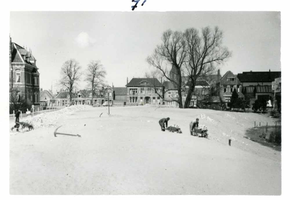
(169, 85)
(20, 54)
(225, 79)
(45, 92)
(120, 91)
(267, 76)
(141, 82)
(63, 95)
(200, 82)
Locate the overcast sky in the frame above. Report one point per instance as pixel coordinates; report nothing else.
(123, 40)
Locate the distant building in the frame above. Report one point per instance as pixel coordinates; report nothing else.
(120, 94)
(201, 92)
(62, 99)
(82, 97)
(46, 99)
(144, 91)
(170, 93)
(228, 83)
(24, 74)
(258, 84)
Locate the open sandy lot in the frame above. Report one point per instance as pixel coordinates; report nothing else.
(127, 153)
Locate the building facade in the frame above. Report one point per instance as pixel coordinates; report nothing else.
(24, 75)
(119, 94)
(82, 97)
(258, 85)
(228, 83)
(46, 99)
(142, 91)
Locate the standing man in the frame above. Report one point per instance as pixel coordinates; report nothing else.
(17, 115)
(164, 123)
(193, 126)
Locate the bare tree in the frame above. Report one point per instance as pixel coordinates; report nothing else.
(70, 75)
(17, 101)
(170, 54)
(95, 76)
(203, 52)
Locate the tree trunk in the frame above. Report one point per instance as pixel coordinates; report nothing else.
(180, 98)
(92, 93)
(189, 96)
(70, 95)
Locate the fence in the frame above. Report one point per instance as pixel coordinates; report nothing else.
(37, 112)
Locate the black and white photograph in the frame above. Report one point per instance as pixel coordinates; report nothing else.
(142, 102)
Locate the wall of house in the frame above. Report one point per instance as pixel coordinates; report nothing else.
(245, 84)
(143, 95)
(121, 98)
(226, 91)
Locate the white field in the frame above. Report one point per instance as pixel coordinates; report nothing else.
(127, 153)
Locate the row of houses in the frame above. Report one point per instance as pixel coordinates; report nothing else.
(24, 79)
(250, 85)
(215, 88)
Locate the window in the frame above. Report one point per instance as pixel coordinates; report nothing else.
(148, 90)
(17, 77)
(133, 91)
(142, 90)
(225, 89)
(231, 79)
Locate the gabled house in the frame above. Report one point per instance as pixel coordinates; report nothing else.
(144, 91)
(228, 83)
(62, 99)
(46, 99)
(24, 74)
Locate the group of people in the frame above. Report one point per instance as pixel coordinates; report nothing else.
(194, 128)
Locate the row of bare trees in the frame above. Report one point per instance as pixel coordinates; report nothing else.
(71, 75)
(182, 57)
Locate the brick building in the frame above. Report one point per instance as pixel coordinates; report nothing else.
(144, 91)
(24, 75)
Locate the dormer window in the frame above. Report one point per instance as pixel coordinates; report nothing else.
(143, 83)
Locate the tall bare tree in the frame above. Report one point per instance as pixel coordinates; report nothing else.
(70, 75)
(204, 52)
(170, 54)
(95, 76)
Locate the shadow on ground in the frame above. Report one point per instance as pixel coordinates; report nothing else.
(269, 136)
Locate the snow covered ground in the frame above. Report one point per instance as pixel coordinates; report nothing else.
(127, 153)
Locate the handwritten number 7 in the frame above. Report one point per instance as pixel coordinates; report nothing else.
(136, 3)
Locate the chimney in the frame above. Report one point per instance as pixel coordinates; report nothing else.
(127, 81)
(218, 75)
